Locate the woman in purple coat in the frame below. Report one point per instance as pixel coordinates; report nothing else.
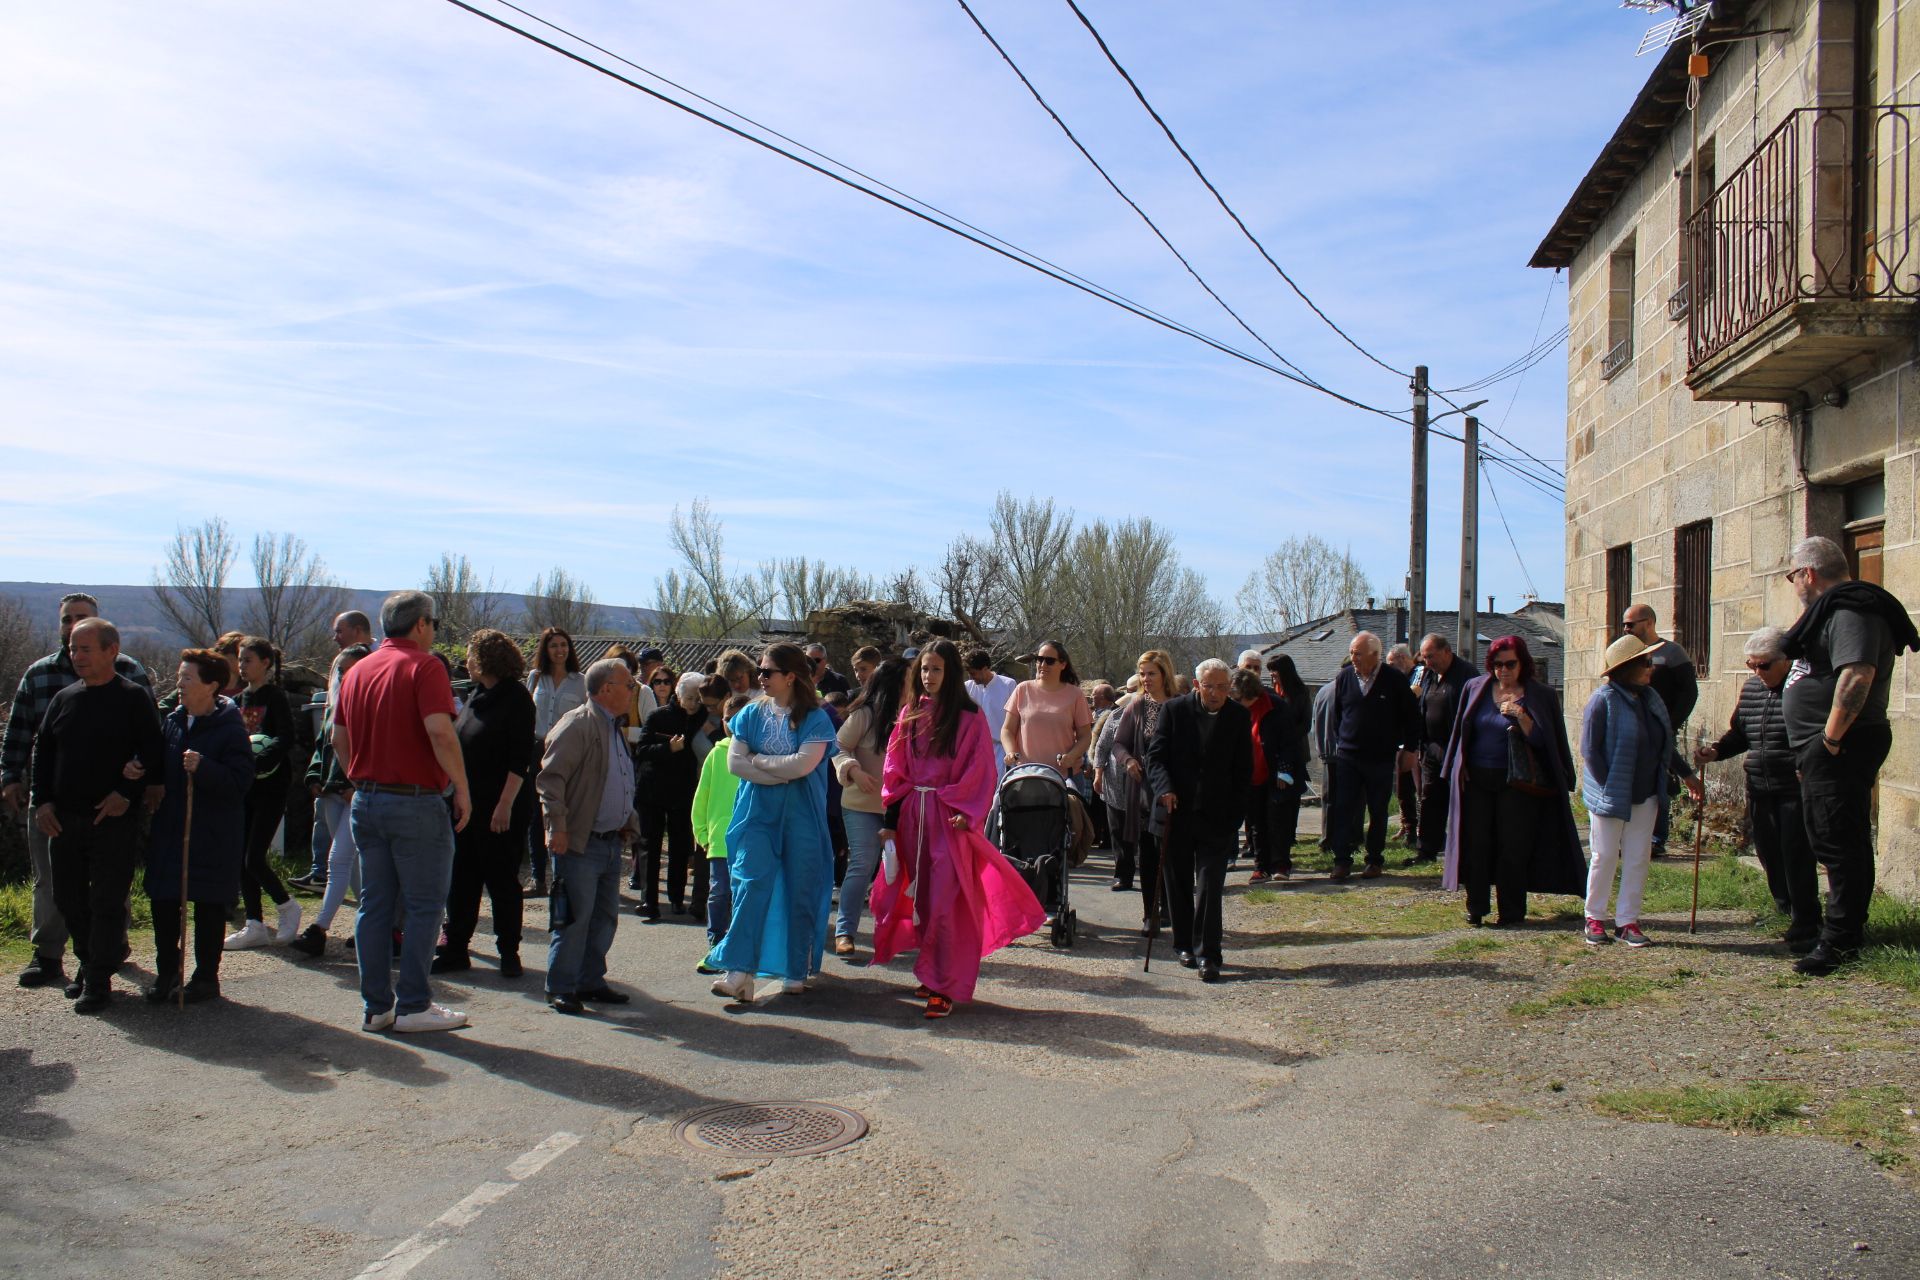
(1507, 827)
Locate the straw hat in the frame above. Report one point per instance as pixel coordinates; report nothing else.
(1623, 651)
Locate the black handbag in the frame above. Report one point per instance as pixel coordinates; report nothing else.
(1524, 772)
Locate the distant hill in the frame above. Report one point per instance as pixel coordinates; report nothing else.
(135, 611)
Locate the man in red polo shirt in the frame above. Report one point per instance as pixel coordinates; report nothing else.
(394, 730)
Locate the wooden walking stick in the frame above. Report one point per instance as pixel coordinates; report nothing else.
(1699, 830)
(186, 839)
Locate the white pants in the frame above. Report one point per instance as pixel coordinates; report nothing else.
(1626, 843)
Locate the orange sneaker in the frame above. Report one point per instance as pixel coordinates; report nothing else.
(938, 1006)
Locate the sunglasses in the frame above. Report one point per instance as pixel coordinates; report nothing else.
(1046, 662)
(1759, 664)
(768, 673)
(1511, 664)
(434, 623)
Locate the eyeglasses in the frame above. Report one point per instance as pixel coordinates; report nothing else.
(1511, 664)
(434, 623)
(1759, 664)
(768, 673)
(1044, 661)
(1800, 569)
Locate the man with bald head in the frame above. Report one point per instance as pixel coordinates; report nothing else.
(1373, 728)
(83, 801)
(38, 685)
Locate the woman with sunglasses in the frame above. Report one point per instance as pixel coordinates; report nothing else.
(955, 898)
(1626, 742)
(1049, 722)
(1509, 773)
(779, 854)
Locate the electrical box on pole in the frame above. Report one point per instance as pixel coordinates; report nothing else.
(1465, 644)
(1417, 543)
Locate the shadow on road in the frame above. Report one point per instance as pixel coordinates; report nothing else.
(593, 1083)
(285, 1050)
(26, 1080)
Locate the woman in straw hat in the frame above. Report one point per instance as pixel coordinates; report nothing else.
(1626, 744)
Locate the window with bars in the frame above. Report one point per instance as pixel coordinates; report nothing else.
(1619, 588)
(1693, 591)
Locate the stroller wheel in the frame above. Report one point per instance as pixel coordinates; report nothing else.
(1073, 927)
(1059, 935)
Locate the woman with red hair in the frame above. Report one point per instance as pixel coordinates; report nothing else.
(1509, 772)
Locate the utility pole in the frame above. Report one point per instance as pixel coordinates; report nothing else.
(1417, 550)
(1465, 645)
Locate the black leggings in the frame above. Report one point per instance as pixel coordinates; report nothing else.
(483, 858)
(673, 824)
(209, 938)
(1498, 832)
(1123, 848)
(266, 806)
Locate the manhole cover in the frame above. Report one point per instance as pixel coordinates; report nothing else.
(772, 1128)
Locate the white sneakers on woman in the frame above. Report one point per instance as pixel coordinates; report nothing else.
(253, 933)
(735, 985)
(288, 922)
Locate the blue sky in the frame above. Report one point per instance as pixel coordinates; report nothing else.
(381, 274)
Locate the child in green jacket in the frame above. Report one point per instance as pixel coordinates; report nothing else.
(712, 815)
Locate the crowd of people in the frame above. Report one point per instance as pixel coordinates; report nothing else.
(756, 790)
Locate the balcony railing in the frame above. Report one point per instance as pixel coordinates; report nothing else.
(1679, 302)
(1617, 359)
(1822, 210)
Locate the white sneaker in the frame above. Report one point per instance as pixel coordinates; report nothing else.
(435, 1017)
(253, 933)
(289, 922)
(735, 986)
(378, 1022)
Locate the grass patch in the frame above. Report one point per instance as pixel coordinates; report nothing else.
(1760, 1107)
(1878, 1119)
(1726, 884)
(1892, 953)
(1600, 991)
(1474, 944)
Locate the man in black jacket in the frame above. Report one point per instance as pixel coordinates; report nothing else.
(1372, 720)
(83, 802)
(1758, 731)
(1199, 761)
(1439, 699)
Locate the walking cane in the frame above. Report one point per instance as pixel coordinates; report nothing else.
(1699, 830)
(186, 839)
(1160, 897)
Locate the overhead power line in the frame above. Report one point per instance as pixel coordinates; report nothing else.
(1237, 220)
(1131, 202)
(1487, 474)
(905, 204)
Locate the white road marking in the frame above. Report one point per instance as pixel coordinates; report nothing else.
(416, 1249)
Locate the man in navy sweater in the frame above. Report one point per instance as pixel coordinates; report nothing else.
(1375, 728)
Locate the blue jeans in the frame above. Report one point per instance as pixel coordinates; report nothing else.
(863, 859)
(406, 864)
(587, 884)
(719, 901)
(343, 860)
(322, 841)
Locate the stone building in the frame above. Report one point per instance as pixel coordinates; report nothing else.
(1741, 359)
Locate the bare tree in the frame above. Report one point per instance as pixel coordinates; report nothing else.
(799, 586)
(560, 600)
(1031, 539)
(465, 601)
(1126, 591)
(23, 640)
(709, 600)
(1304, 579)
(190, 585)
(971, 583)
(297, 596)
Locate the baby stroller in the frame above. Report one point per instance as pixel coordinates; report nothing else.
(1032, 824)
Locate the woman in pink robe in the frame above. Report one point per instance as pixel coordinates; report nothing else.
(951, 894)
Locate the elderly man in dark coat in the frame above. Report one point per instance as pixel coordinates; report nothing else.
(1199, 761)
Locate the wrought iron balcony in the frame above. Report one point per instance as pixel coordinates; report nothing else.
(1806, 256)
(1618, 358)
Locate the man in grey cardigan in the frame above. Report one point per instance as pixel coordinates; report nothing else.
(586, 802)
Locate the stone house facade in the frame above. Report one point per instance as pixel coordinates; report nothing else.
(1741, 355)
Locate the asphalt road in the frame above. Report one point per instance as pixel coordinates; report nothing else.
(1081, 1118)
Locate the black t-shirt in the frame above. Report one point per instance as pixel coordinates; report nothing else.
(86, 739)
(496, 739)
(1849, 636)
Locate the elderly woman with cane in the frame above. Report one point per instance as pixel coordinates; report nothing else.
(199, 831)
(1626, 743)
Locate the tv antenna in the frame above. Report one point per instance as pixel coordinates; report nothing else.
(1689, 17)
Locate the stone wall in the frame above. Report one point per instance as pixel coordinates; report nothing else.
(1644, 457)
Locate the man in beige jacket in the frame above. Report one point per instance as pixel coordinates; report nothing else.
(586, 803)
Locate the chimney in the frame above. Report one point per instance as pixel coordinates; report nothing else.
(1490, 608)
(1369, 602)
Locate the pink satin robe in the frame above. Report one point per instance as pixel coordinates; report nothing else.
(956, 897)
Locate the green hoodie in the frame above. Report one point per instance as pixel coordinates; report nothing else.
(713, 802)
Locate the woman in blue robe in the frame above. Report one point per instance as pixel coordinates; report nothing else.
(780, 856)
